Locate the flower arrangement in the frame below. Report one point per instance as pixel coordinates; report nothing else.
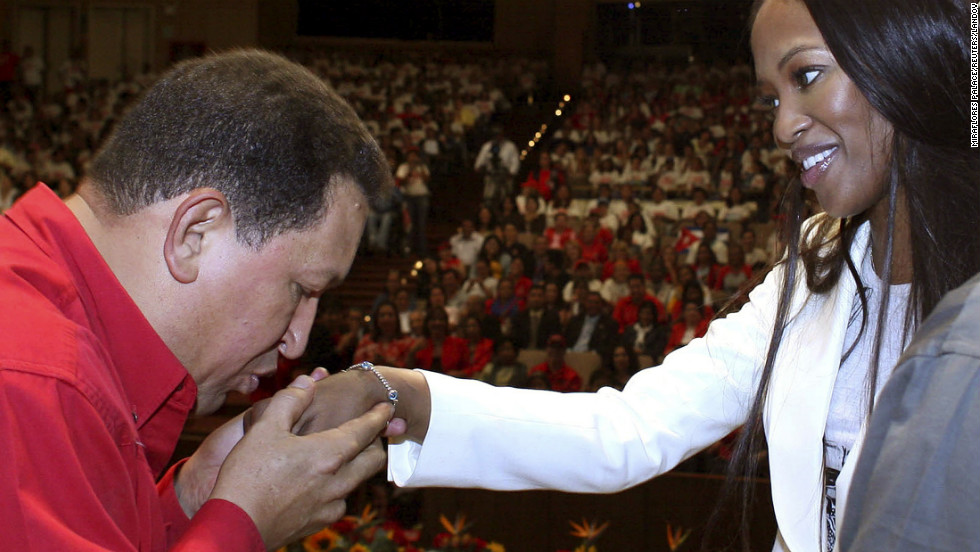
(676, 538)
(369, 533)
(589, 533)
(364, 533)
(456, 538)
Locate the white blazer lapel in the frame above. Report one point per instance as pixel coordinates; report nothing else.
(799, 401)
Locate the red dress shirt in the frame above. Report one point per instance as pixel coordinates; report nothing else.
(558, 238)
(627, 310)
(593, 252)
(610, 266)
(565, 379)
(478, 357)
(389, 353)
(92, 403)
(677, 332)
(455, 355)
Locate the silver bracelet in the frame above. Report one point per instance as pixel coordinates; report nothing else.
(390, 393)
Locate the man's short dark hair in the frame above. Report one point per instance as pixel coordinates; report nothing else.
(555, 257)
(264, 131)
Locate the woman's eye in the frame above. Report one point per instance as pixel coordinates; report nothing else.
(805, 77)
(768, 102)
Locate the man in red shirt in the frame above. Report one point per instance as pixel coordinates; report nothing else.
(214, 217)
(627, 309)
(561, 376)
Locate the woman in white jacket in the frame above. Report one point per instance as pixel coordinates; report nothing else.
(870, 99)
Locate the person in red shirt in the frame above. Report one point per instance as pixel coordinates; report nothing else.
(620, 251)
(545, 178)
(593, 249)
(560, 233)
(561, 376)
(479, 348)
(627, 309)
(449, 261)
(384, 344)
(693, 324)
(439, 351)
(734, 275)
(191, 258)
(522, 284)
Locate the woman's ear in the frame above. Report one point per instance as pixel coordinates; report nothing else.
(200, 215)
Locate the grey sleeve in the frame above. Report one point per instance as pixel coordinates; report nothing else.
(917, 482)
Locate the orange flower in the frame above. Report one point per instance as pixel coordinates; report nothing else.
(676, 538)
(455, 529)
(321, 540)
(368, 515)
(588, 531)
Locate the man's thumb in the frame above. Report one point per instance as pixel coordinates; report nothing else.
(288, 404)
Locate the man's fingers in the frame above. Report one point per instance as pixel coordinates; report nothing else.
(362, 466)
(347, 441)
(319, 373)
(288, 404)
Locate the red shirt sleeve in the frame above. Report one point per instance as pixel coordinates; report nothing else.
(218, 525)
(75, 477)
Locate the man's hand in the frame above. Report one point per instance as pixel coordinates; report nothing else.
(292, 485)
(196, 478)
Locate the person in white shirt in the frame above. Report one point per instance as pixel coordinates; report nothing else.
(466, 244)
(498, 160)
(699, 204)
(413, 177)
(659, 208)
(755, 256)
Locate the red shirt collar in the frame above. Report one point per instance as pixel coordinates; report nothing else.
(150, 373)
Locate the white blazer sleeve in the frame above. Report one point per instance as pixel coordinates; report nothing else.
(510, 439)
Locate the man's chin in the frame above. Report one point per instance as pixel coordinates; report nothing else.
(208, 404)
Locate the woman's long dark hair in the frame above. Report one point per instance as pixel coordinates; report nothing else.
(909, 58)
(375, 329)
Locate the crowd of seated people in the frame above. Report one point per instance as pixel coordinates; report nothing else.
(426, 109)
(647, 213)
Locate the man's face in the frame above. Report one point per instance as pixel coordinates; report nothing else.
(450, 282)
(556, 355)
(510, 233)
(593, 304)
(637, 289)
(561, 222)
(551, 293)
(261, 303)
(748, 241)
(535, 298)
(541, 243)
(416, 322)
(392, 283)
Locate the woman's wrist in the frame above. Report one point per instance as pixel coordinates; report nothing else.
(414, 402)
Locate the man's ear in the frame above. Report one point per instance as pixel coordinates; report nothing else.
(201, 214)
